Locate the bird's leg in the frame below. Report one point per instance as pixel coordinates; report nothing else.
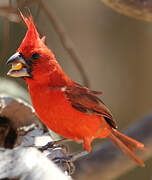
(59, 155)
(68, 161)
(65, 161)
(55, 144)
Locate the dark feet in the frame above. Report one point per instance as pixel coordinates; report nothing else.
(54, 145)
(65, 163)
(60, 156)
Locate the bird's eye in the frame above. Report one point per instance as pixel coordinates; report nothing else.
(35, 56)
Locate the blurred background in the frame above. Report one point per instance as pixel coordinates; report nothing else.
(114, 52)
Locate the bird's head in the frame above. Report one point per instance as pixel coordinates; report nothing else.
(33, 60)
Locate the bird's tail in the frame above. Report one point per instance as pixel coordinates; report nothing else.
(127, 145)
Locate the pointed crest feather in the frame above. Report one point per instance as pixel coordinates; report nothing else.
(30, 25)
(25, 19)
(32, 38)
(43, 39)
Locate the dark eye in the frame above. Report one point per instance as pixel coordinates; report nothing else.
(35, 56)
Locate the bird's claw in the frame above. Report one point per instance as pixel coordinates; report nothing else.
(47, 146)
(65, 163)
(59, 155)
(53, 145)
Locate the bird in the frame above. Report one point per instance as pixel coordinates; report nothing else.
(66, 107)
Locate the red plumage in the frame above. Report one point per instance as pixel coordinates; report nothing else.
(67, 108)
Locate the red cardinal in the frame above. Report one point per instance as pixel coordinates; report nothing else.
(69, 109)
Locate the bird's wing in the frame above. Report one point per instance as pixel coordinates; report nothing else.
(86, 101)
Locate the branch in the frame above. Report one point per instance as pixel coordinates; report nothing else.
(134, 8)
(29, 164)
(66, 41)
(108, 162)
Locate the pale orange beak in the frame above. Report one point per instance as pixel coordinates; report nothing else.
(19, 66)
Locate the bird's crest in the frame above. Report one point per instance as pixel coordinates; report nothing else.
(32, 37)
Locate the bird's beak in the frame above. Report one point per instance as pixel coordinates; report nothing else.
(19, 66)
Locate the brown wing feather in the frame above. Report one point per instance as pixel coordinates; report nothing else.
(87, 101)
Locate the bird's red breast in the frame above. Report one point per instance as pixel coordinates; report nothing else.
(56, 111)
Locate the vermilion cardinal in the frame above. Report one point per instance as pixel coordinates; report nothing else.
(69, 109)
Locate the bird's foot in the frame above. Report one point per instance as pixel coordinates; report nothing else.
(65, 163)
(59, 155)
(54, 145)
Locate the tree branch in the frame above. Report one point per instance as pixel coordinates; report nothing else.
(28, 164)
(134, 8)
(66, 41)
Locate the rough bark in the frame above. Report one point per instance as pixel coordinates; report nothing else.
(28, 164)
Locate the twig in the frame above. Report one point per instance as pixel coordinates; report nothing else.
(66, 41)
(134, 8)
(108, 162)
(37, 13)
